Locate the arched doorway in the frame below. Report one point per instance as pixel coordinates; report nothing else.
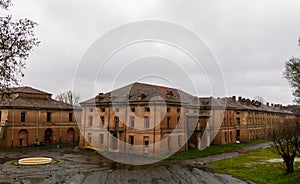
(48, 136)
(23, 137)
(71, 135)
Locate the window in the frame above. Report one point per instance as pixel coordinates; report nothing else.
(101, 138)
(48, 116)
(238, 121)
(168, 109)
(102, 109)
(0, 115)
(168, 121)
(179, 141)
(70, 117)
(90, 138)
(23, 117)
(131, 121)
(178, 122)
(146, 141)
(178, 109)
(117, 109)
(131, 140)
(238, 133)
(91, 109)
(147, 109)
(90, 120)
(116, 120)
(147, 122)
(102, 120)
(132, 109)
(237, 112)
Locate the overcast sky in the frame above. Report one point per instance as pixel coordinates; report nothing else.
(251, 40)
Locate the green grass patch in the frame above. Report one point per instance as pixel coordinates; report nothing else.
(212, 150)
(253, 166)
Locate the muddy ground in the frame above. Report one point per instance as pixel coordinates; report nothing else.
(73, 165)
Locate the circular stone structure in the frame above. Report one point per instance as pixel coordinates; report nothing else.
(35, 161)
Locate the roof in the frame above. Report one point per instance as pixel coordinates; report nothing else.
(142, 92)
(25, 89)
(33, 102)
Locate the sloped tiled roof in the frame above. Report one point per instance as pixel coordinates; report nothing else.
(141, 92)
(20, 101)
(25, 89)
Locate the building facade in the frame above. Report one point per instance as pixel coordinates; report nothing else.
(29, 116)
(139, 118)
(148, 119)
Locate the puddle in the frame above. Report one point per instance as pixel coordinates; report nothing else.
(281, 160)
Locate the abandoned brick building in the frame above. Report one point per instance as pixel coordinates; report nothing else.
(29, 115)
(150, 119)
(138, 118)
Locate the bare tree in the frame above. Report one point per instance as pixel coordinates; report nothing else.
(68, 97)
(292, 74)
(17, 40)
(286, 137)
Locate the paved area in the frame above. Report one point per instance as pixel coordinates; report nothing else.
(73, 165)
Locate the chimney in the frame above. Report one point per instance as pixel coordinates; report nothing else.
(267, 103)
(99, 97)
(233, 98)
(240, 98)
(169, 94)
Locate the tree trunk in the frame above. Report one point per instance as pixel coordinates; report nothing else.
(289, 164)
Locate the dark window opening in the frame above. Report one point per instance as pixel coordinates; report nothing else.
(238, 121)
(23, 116)
(70, 117)
(131, 139)
(168, 109)
(168, 121)
(102, 119)
(48, 116)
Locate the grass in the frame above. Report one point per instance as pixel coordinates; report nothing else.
(212, 150)
(253, 166)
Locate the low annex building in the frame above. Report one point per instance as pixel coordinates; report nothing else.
(149, 119)
(29, 115)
